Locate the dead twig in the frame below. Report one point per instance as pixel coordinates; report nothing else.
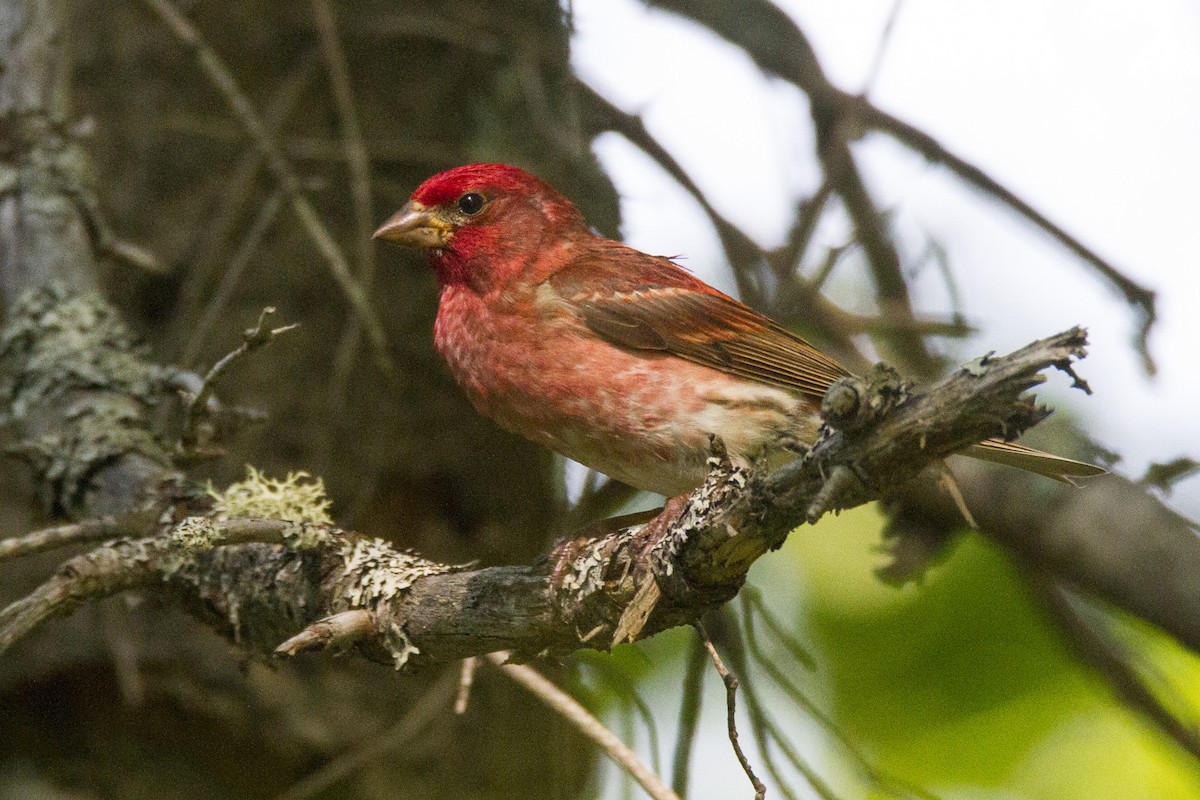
(224, 214)
(231, 278)
(221, 77)
(335, 631)
(731, 686)
(90, 530)
(466, 680)
(586, 723)
(359, 162)
(191, 441)
(423, 713)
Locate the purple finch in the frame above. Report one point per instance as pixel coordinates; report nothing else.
(620, 360)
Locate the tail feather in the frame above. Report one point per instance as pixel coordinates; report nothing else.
(1017, 455)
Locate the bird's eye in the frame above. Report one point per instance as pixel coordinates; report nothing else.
(471, 203)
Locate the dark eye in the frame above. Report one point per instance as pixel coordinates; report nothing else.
(471, 203)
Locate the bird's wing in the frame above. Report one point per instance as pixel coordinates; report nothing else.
(643, 302)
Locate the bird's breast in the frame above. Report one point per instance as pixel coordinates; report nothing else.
(642, 418)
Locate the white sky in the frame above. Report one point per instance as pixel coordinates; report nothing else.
(1089, 109)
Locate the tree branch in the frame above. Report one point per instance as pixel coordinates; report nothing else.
(262, 581)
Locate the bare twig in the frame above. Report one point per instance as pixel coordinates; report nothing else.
(690, 700)
(466, 680)
(786, 259)
(731, 685)
(134, 255)
(766, 730)
(885, 39)
(1114, 662)
(762, 726)
(423, 713)
(218, 225)
(215, 308)
(359, 162)
(254, 338)
(218, 72)
(335, 631)
(586, 723)
(1139, 297)
(91, 530)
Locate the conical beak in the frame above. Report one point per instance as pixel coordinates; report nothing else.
(415, 226)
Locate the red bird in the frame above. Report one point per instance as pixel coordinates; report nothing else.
(620, 360)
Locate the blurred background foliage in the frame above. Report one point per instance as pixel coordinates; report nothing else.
(954, 686)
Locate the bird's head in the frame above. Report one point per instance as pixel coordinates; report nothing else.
(482, 223)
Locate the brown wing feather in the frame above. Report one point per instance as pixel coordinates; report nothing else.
(646, 303)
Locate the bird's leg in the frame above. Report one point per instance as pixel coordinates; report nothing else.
(657, 527)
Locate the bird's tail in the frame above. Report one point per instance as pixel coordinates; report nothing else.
(1016, 455)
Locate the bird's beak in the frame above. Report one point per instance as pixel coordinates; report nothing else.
(415, 226)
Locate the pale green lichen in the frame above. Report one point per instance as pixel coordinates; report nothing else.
(374, 573)
(309, 536)
(189, 538)
(76, 389)
(196, 534)
(382, 571)
(297, 498)
(398, 644)
(377, 573)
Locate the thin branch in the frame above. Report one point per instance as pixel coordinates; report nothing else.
(691, 697)
(885, 40)
(333, 632)
(217, 227)
(767, 730)
(91, 530)
(1139, 297)
(787, 259)
(214, 310)
(259, 336)
(359, 162)
(731, 685)
(220, 76)
(1113, 662)
(762, 726)
(428, 708)
(466, 680)
(586, 723)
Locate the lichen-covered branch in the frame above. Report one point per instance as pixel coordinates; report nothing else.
(262, 562)
(78, 393)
